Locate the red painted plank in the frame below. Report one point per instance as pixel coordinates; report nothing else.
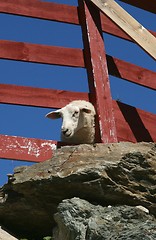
(132, 124)
(96, 65)
(13, 94)
(48, 98)
(110, 27)
(40, 97)
(74, 57)
(39, 9)
(28, 149)
(56, 12)
(41, 53)
(131, 72)
(144, 4)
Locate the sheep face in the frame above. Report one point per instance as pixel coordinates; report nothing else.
(73, 119)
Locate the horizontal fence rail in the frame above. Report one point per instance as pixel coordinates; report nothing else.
(26, 149)
(132, 124)
(74, 57)
(47, 10)
(42, 10)
(40, 97)
(56, 12)
(41, 53)
(57, 99)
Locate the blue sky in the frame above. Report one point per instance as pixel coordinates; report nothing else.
(30, 121)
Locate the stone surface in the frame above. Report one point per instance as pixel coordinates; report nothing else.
(105, 174)
(79, 220)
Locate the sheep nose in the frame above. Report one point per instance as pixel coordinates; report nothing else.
(64, 130)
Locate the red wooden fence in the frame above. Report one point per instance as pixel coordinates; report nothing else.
(116, 121)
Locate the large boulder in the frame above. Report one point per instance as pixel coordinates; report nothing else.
(79, 220)
(104, 174)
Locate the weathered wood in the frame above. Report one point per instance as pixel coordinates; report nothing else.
(144, 4)
(40, 9)
(56, 12)
(126, 22)
(26, 149)
(56, 99)
(40, 97)
(108, 26)
(74, 57)
(131, 72)
(41, 53)
(132, 124)
(96, 65)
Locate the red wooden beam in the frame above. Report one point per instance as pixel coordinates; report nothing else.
(144, 4)
(131, 72)
(48, 98)
(96, 65)
(110, 27)
(40, 9)
(132, 124)
(56, 12)
(26, 149)
(41, 53)
(13, 94)
(39, 97)
(74, 57)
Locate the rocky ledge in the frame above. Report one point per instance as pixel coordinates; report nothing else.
(110, 178)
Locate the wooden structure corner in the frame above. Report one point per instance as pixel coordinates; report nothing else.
(115, 121)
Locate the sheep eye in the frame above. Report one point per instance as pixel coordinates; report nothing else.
(75, 114)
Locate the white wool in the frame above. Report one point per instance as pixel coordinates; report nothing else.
(78, 122)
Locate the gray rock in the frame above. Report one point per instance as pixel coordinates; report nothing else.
(79, 220)
(104, 174)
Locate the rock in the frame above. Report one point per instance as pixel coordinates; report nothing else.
(5, 235)
(79, 220)
(104, 174)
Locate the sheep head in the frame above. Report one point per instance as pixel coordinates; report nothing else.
(73, 119)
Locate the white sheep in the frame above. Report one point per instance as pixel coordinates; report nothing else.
(78, 122)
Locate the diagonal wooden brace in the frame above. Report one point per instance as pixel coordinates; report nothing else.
(128, 24)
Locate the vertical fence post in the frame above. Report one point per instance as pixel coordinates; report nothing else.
(96, 65)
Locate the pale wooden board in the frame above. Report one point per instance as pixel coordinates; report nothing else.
(5, 235)
(128, 24)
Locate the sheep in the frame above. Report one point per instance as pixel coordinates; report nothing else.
(78, 122)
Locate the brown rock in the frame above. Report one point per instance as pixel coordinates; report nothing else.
(107, 174)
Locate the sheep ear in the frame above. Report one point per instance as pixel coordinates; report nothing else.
(86, 110)
(54, 115)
